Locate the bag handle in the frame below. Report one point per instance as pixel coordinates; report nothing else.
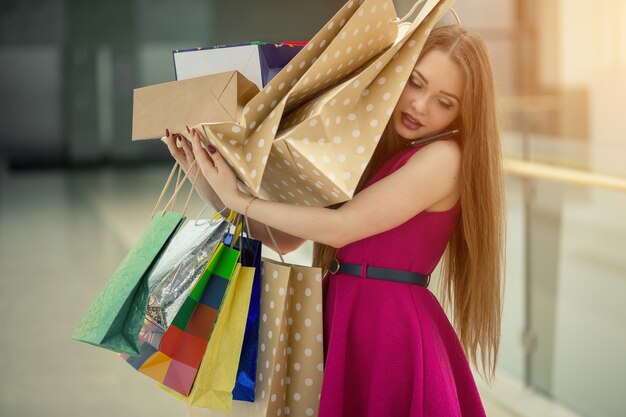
(269, 232)
(415, 6)
(274, 243)
(179, 185)
(216, 216)
(165, 187)
(410, 13)
(456, 16)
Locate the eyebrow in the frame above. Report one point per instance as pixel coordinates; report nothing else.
(442, 92)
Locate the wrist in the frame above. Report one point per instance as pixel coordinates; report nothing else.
(238, 202)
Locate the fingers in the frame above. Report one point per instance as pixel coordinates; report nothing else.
(183, 153)
(177, 153)
(187, 150)
(204, 161)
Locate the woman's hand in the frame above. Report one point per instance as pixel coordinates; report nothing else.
(219, 175)
(185, 157)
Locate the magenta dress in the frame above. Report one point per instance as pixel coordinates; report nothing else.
(390, 348)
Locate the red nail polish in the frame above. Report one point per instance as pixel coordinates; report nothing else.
(211, 149)
(167, 133)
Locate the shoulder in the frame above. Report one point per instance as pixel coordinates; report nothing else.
(429, 181)
(438, 154)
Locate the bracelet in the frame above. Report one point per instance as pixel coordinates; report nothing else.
(248, 206)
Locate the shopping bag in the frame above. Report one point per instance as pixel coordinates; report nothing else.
(180, 267)
(293, 380)
(173, 105)
(114, 320)
(323, 148)
(217, 374)
(290, 366)
(257, 61)
(216, 381)
(180, 349)
(307, 137)
(246, 371)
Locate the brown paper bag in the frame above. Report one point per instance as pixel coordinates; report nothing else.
(212, 98)
(290, 364)
(359, 63)
(323, 148)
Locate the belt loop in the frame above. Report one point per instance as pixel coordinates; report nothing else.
(364, 269)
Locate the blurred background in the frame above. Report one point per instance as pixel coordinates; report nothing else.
(76, 193)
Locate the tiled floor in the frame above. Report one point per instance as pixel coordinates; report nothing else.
(61, 236)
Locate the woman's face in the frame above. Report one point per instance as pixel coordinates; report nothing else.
(431, 99)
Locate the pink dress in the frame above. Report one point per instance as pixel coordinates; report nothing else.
(390, 348)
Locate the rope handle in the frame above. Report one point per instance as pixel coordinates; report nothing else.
(170, 203)
(456, 16)
(274, 243)
(179, 184)
(269, 232)
(415, 6)
(165, 187)
(410, 13)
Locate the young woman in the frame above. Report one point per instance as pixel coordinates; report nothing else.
(390, 348)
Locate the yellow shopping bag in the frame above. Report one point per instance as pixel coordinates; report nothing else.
(216, 376)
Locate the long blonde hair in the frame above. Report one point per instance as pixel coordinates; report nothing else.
(473, 262)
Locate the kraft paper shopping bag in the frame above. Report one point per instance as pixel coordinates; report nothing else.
(173, 105)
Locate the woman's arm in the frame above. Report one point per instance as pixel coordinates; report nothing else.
(429, 176)
(286, 242)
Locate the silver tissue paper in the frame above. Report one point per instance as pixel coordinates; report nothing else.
(180, 267)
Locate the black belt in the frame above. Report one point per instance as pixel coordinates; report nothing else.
(407, 277)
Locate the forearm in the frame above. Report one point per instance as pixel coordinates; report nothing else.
(286, 243)
(310, 223)
(212, 198)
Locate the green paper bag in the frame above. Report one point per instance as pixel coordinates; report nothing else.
(115, 318)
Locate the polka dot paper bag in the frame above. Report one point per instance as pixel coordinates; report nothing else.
(307, 137)
(290, 364)
(367, 25)
(323, 148)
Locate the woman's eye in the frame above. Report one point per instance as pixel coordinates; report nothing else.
(416, 84)
(445, 105)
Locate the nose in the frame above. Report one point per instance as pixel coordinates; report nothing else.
(420, 104)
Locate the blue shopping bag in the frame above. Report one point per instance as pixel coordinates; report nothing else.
(246, 371)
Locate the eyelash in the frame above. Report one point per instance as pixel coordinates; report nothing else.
(444, 105)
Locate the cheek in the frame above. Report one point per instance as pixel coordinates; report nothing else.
(448, 115)
(404, 102)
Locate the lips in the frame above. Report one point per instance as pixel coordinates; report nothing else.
(410, 122)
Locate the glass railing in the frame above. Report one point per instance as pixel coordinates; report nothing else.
(564, 318)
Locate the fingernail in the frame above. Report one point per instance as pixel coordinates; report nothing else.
(211, 149)
(188, 131)
(167, 133)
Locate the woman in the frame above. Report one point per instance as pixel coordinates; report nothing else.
(390, 349)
